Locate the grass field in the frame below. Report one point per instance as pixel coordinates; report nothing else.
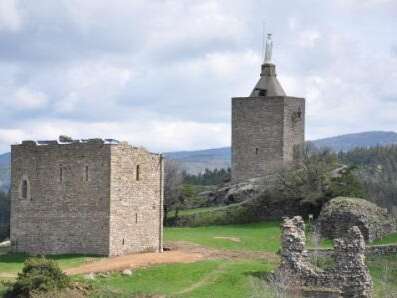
(253, 237)
(220, 278)
(391, 238)
(202, 279)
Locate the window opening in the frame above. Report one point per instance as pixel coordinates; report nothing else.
(138, 173)
(86, 173)
(136, 217)
(256, 151)
(24, 189)
(60, 174)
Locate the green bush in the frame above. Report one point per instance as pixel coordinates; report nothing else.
(38, 275)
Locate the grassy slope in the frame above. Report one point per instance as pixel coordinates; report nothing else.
(253, 237)
(220, 278)
(203, 279)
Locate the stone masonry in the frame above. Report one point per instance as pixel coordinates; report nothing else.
(340, 214)
(349, 277)
(85, 197)
(268, 128)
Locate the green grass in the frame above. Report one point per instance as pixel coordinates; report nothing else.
(388, 239)
(252, 237)
(202, 279)
(221, 278)
(12, 263)
(384, 275)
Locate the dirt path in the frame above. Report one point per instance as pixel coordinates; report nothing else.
(177, 252)
(134, 261)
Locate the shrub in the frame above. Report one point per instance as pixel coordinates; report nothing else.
(38, 275)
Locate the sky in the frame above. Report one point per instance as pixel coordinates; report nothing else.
(161, 73)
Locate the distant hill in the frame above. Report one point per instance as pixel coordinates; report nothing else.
(354, 140)
(197, 161)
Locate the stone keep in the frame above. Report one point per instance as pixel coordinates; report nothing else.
(268, 128)
(91, 197)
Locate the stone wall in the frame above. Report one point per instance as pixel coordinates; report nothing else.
(136, 202)
(63, 212)
(265, 132)
(340, 214)
(371, 250)
(350, 275)
(85, 198)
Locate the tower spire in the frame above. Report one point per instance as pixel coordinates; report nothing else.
(268, 49)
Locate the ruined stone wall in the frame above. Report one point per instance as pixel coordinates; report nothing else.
(265, 131)
(372, 250)
(341, 213)
(350, 275)
(66, 209)
(136, 202)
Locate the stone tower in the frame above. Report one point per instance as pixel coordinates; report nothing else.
(268, 127)
(93, 196)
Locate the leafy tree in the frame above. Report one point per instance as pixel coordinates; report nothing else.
(173, 187)
(209, 177)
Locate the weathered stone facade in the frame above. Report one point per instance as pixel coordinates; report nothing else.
(267, 128)
(349, 277)
(341, 213)
(90, 197)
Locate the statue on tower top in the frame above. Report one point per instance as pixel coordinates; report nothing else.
(268, 49)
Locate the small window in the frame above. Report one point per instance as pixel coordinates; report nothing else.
(60, 174)
(256, 151)
(86, 173)
(123, 241)
(138, 173)
(24, 189)
(136, 217)
(262, 92)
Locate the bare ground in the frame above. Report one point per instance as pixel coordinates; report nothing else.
(176, 252)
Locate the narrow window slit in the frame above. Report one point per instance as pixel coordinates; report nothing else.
(86, 173)
(24, 189)
(138, 173)
(60, 174)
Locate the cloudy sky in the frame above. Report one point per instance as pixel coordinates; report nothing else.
(161, 73)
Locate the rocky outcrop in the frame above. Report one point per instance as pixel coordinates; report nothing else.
(349, 277)
(340, 214)
(232, 193)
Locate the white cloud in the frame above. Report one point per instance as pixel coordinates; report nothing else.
(156, 135)
(308, 38)
(161, 73)
(28, 99)
(10, 18)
